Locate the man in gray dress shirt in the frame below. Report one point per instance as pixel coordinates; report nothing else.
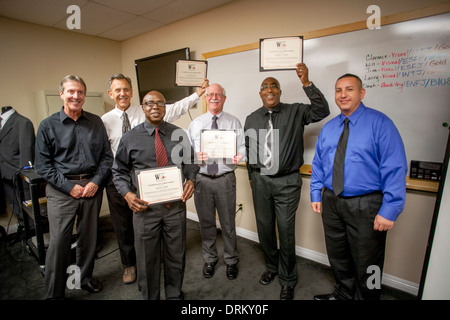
(216, 184)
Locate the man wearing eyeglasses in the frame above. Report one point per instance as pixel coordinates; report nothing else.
(117, 122)
(216, 184)
(275, 155)
(159, 229)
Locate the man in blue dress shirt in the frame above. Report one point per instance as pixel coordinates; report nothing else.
(356, 220)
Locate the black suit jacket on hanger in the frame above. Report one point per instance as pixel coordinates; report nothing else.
(17, 138)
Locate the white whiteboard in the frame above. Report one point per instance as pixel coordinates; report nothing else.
(416, 97)
(437, 276)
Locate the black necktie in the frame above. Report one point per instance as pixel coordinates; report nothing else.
(125, 123)
(339, 160)
(213, 168)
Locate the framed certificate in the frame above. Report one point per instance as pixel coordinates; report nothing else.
(280, 53)
(219, 143)
(190, 73)
(160, 185)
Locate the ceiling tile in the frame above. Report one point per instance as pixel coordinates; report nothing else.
(42, 12)
(137, 7)
(112, 19)
(130, 29)
(181, 9)
(96, 19)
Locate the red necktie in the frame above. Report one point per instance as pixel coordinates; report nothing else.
(161, 154)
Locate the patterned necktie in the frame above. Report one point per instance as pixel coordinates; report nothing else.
(339, 160)
(161, 154)
(125, 123)
(268, 152)
(213, 168)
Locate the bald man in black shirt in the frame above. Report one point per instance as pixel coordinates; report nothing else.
(276, 180)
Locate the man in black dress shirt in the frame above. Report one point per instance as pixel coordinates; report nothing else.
(159, 229)
(276, 180)
(74, 156)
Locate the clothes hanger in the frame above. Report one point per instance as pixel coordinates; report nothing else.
(6, 108)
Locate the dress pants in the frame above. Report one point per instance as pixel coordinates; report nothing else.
(161, 232)
(122, 221)
(211, 194)
(352, 244)
(275, 200)
(62, 209)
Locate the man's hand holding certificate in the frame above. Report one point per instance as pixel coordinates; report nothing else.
(203, 157)
(190, 73)
(158, 186)
(219, 144)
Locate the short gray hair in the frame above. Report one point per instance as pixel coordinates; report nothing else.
(224, 93)
(71, 77)
(119, 76)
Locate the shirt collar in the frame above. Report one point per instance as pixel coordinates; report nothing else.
(118, 111)
(5, 115)
(63, 116)
(150, 128)
(265, 110)
(354, 116)
(219, 115)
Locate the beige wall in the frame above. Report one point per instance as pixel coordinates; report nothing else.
(246, 21)
(35, 58)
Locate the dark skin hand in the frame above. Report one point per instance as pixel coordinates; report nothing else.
(138, 205)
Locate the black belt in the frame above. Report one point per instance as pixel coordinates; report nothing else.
(277, 175)
(81, 176)
(215, 176)
(359, 195)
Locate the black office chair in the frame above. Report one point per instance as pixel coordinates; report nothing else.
(3, 233)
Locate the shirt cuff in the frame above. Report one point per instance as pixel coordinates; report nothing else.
(67, 187)
(390, 212)
(316, 196)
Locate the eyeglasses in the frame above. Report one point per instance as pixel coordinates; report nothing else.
(272, 86)
(152, 104)
(215, 95)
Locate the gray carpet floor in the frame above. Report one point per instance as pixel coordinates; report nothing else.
(21, 279)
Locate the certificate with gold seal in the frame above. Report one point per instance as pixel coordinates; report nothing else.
(280, 53)
(160, 185)
(190, 73)
(219, 143)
